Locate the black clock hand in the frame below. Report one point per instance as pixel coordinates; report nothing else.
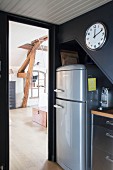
(97, 33)
(94, 32)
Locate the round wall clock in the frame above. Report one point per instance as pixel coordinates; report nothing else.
(95, 36)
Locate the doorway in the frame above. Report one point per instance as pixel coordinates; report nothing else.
(28, 125)
(4, 104)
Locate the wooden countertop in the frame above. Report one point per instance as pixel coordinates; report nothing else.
(105, 113)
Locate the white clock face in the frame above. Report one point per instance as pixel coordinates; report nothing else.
(95, 36)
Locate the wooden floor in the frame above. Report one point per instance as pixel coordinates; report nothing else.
(28, 143)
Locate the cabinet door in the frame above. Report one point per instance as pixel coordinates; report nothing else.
(103, 139)
(103, 122)
(12, 95)
(70, 125)
(102, 160)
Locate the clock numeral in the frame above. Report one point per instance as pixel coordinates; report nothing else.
(88, 33)
(99, 43)
(103, 33)
(91, 29)
(87, 38)
(94, 46)
(101, 39)
(94, 26)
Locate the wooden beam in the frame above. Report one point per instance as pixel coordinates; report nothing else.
(30, 46)
(33, 46)
(44, 38)
(21, 75)
(24, 65)
(41, 39)
(30, 60)
(26, 62)
(26, 46)
(28, 79)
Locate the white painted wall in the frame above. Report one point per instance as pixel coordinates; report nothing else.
(20, 34)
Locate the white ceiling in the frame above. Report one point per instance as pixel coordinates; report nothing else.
(52, 11)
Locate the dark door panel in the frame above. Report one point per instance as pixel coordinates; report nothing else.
(4, 91)
(4, 118)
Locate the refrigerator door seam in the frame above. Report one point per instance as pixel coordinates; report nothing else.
(72, 100)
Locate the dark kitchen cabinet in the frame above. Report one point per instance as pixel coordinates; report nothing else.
(12, 94)
(102, 143)
(102, 160)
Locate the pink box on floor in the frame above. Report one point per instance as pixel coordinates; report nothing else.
(39, 115)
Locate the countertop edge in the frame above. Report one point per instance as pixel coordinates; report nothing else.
(100, 113)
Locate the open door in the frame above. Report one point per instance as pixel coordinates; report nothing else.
(4, 90)
(4, 116)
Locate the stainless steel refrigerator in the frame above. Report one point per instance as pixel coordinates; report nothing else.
(71, 117)
(74, 102)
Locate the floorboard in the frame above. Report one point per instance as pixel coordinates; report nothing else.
(28, 143)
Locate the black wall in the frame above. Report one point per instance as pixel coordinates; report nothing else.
(75, 30)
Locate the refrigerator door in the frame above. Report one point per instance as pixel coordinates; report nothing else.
(71, 83)
(70, 125)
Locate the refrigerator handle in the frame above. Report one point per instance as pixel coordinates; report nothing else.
(58, 90)
(58, 106)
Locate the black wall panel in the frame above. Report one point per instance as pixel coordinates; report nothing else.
(75, 30)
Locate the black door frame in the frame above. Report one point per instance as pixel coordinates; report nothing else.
(4, 108)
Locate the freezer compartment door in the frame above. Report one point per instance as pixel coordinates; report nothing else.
(71, 85)
(70, 126)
